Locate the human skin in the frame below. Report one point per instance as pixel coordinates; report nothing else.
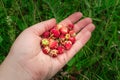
(26, 61)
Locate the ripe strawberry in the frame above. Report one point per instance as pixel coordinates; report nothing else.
(53, 44)
(46, 50)
(55, 32)
(68, 45)
(64, 30)
(72, 39)
(53, 53)
(60, 49)
(46, 34)
(67, 36)
(70, 26)
(45, 42)
(72, 33)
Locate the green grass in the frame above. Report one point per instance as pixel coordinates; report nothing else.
(98, 60)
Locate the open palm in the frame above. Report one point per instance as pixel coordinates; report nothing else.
(27, 50)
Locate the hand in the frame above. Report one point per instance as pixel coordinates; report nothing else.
(26, 59)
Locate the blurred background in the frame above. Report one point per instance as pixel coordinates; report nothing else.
(100, 57)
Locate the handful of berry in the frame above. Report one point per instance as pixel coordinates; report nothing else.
(58, 39)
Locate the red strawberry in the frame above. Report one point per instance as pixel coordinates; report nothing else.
(46, 34)
(60, 49)
(68, 45)
(64, 30)
(46, 50)
(53, 53)
(45, 42)
(72, 39)
(53, 44)
(72, 33)
(70, 26)
(55, 32)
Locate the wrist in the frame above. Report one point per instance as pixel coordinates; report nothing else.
(10, 69)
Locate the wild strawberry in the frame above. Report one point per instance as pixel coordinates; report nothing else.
(67, 36)
(46, 50)
(70, 26)
(45, 42)
(72, 39)
(55, 32)
(58, 39)
(53, 53)
(53, 44)
(60, 49)
(68, 45)
(59, 26)
(64, 30)
(72, 33)
(46, 34)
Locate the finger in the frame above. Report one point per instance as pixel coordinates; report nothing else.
(82, 23)
(41, 27)
(80, 42)
(88, 28)
(71, 19)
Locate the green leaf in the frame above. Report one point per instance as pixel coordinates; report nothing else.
(1, 39)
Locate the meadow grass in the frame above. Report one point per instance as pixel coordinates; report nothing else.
(100, 57)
